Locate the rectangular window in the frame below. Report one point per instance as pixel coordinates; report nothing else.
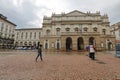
(58, 33)
(85, 29)
(17, 35)
(104, 31)
(39, 34)
(22, 35)
(119, 32)
(35, 35)
(2, 27)
(30, 35)
(95, 29)
(47, 32)
(26, 35)
(10, 31)
(6, 29)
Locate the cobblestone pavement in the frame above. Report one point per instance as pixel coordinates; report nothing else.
(21, 65)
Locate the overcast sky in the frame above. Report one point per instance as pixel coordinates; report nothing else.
(30, 13)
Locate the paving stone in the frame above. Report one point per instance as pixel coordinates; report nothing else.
(21, 65)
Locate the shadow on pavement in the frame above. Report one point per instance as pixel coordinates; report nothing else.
(100, 62)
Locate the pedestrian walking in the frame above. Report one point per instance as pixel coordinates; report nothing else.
(91, 49)
(39, 53)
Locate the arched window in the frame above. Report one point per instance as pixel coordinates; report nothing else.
(48, 32)
(95, 29)
(67, 29)
(16, 43)
(104, 31)
(76, 29)
(85, 29)
(58, 31)
(30, 43)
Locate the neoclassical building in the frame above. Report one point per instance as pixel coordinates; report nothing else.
(75, 30)
(6, 32)
(27, 37)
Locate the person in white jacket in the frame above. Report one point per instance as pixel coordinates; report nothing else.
(92, 52)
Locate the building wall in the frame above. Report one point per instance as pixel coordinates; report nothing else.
(7, 29)
(59, 27)
(115, 30)
(6, 33)
(27, 37)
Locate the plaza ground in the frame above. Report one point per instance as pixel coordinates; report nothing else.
(21, 65)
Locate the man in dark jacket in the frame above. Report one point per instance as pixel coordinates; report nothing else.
(39, 53)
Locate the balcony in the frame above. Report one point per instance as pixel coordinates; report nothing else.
(80, 33)
(74, 34)
(107, 35)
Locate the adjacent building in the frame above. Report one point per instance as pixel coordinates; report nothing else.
(27, 37)
(115, 30)
(6, 32)
(75, 30)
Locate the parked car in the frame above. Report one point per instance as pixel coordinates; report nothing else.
(18, 48)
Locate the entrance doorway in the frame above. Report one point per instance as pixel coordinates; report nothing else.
(58, 46)
(109, 44)
(80, 43)
(46, 44)
(91, 40)
(69, 43)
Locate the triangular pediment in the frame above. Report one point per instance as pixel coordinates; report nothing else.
(75, 13)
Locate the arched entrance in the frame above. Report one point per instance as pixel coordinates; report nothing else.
(69, 43)
(80, 43)
(91, 40)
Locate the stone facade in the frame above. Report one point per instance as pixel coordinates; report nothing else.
(6, 32)
(75, 30)
(28, 37)
(115, 30)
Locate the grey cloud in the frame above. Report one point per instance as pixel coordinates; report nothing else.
(26, 13)
(112, 11)
(20, 17)
(114, 14)
(104, 6)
